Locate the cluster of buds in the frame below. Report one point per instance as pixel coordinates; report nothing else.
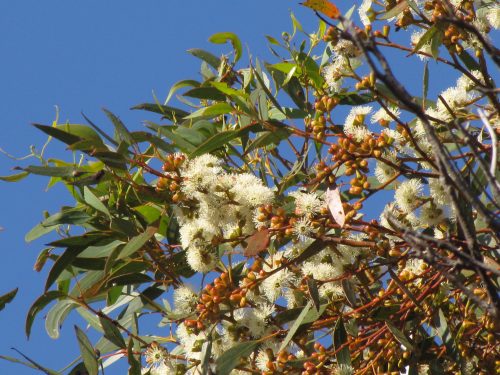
(317, 362)
(317, 126)
(275, 217)
(221, 292)
(331, 35)
(451, 38)
(324, 172)
(366, 82)
(171, 180)
(326, 104)
(276, 363)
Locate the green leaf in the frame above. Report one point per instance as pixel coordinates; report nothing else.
(165, 110)
(214, 110)
(208, 57)
(38, 231)
(92, 200)
(263, 86)
(137, 242)
(18, 361)
(122, 133)
(135, 366)
(14, 177)
(313, 292)
(349, 293)
(83, 240)
(400, 336)
(468, 60)
(177, 140)
(426, 81)
(87, 351)
(221, 38)
(295, 326)
(112, 333)
(224, 88)
(51, 171)
(209, 93)
(446, 336)
(339, 339)
(436, 42)
(56, 315)
(230, 358)
(424, 39)
(267, 138)
(72, 216)
(38, 306)
(394, 11)
(129, 279)
(7, 298)
(34, 364)
(64, 260)
(112, 159)
(206, 352)
(59, 134)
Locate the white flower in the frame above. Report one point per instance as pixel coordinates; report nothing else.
(415, 266)
(493, 16)
(332, 78)
(456, 98)
(201, 259)
(303, 228)
(321, 272)
(250, 191)
(363, 12)
(398, 139)
(200, 174)
(346, 48)
(431, 214)
(465, 83)
(197, 233)
(185, 300)
(166, 368)
(354, 122)
(383, 116)
(343, 370)
(255, 319)
(263, 354)
(407, 194)
(307, 204)
(438, 191)
(384, 172)
(155, 354)
(426, 48)
(275, 285)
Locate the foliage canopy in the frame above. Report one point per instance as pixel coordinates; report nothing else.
(306, 215)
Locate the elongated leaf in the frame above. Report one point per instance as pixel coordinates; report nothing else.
(339, 339)
(393, 12)
(425, 90)
(38, 231)
(295, 326)
(267, 138)
(14, 177)
(313, 292)
(83, 240)
(221, 38)
(446, 336)
(61, 264)
(112, 333)
(58, 134)
(18, 361)
(400, 336)
(137, 242)
(67, 217)
(56, 315)
(38, 306)
(230, 359)
(87, 351)
(208, 57)
(92, 200)
(165, 110)
(120, 128)
(424, 39)
(51, 171)
(36, 365)
(211, 111)
(7, 297)
(206, 352)
(210, 93)
(468, 60)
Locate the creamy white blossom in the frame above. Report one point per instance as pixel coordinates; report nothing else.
(354, 123)
(407, 194)
(383, 116)
(363, 12)
(307, 203)
(185, 300)
(201, 259)
(425, 48)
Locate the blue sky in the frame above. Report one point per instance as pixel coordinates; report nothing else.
(82, 56)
